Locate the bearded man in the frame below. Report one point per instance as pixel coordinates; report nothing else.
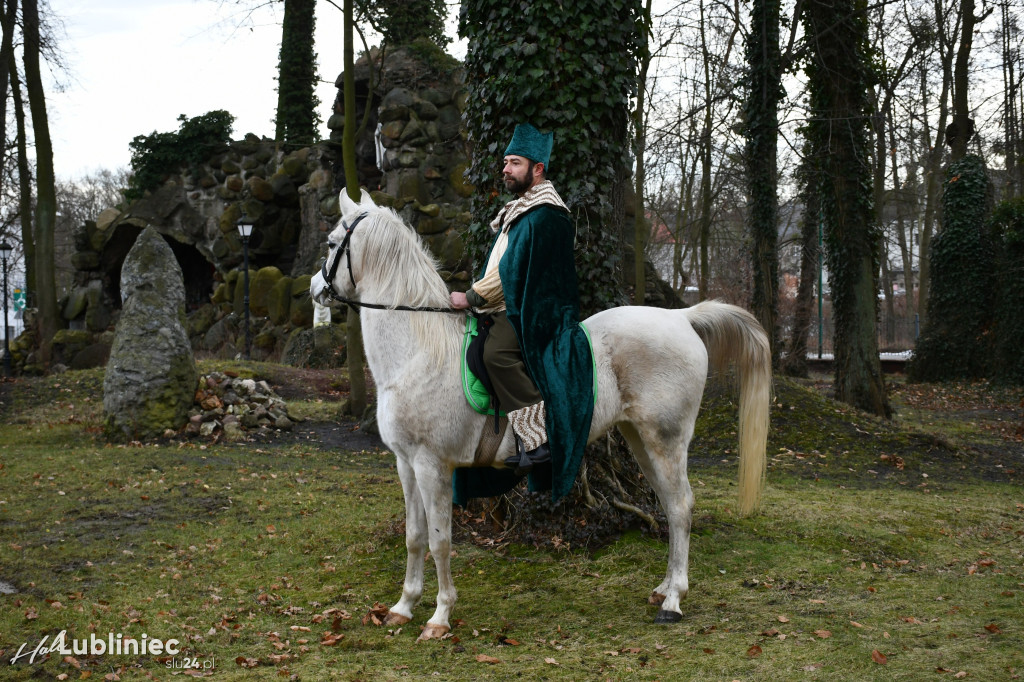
(536, 353)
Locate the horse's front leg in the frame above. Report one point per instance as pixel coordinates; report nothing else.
(415, 546)
(434, 480)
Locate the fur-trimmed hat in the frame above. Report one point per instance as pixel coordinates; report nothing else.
(530, 143)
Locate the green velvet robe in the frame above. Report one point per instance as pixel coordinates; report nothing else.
(538, 276)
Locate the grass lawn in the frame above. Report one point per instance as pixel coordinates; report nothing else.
(875, 557)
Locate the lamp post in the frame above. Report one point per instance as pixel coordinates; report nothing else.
(5, 253)
(245, 229)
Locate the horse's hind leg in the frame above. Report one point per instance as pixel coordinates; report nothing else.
(415, 547)
(663, 462)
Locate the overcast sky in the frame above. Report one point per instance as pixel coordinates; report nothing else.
(135, 65)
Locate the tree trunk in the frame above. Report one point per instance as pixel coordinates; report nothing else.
(356, 372)
(705, 180)
(962, 128)
(838, 83)
(296, 76)
(795, 362)
(46, 202)
(933, 165)
(6, 52)
(762, 131)
(28, 242)
(640, 229)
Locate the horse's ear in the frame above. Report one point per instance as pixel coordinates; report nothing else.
(346, 203)
(365, 198)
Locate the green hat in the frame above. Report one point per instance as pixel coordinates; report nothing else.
(529, 142)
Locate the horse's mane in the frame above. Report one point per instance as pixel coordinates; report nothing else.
(399, 270)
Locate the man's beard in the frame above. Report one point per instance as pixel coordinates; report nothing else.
(517, 186)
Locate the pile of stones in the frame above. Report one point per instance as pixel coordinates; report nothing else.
(228, 407)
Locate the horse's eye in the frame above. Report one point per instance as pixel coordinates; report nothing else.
(331, 246)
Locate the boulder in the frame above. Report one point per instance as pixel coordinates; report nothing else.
(151, 377)
(322, 348)
(69, 342)
(279, 301)
(302, 305)
(260, 287)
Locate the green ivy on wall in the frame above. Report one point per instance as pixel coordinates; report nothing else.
(569, 68)
(158, 155)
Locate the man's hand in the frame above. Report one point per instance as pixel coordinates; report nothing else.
(459, 301)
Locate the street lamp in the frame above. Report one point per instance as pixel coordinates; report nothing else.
(5, 253)
(245, 229)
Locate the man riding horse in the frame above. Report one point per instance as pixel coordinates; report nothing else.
(536, 353)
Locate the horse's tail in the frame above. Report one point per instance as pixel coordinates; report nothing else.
(730, 334)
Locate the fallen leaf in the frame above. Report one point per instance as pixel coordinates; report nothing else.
(484, 658)
(961, 674)
(856, 624)
(550, 661)
(709, 651)
(878, 657)
(376, 615)
(243, 662)
(993, 628)
(783, 619)
(73, 662)
(813, 666)
(332, 638)
(754, 651)
(824, 634)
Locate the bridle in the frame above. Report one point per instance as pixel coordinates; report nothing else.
(329, 274)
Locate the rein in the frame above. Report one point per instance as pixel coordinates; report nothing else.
(329, 274)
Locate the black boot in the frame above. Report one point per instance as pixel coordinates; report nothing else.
(524, 461)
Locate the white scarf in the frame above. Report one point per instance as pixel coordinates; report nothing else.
(541, 193)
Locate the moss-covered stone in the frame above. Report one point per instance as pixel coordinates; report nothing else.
(76, 303)
(85, 261)
(239, 293)
(279, 301)
(229, 219)
(260, 189)
(457, 179)
(68, 342)
(301, 311)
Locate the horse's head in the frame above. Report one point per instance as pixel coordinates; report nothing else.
(338, 275)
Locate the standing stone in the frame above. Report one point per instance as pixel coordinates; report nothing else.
(151, 376)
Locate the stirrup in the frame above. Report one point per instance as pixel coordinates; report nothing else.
(522, 461)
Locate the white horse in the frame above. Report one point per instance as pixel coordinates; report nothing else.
(651, 367)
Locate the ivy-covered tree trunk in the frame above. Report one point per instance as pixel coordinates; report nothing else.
(46, 193)
(1008, 234)
(956, 342)
(357, 402)
(569, 68)
(297, 102)
(838, 81)
(764, 90)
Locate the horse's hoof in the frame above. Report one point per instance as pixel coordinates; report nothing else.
(656, 599)
(431, 631)
(396, 619)
(664, 617)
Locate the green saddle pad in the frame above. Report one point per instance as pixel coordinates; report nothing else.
(476, 394)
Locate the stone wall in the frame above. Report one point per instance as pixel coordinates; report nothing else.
(411, 154)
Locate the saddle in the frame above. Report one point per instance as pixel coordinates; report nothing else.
(476, 382)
